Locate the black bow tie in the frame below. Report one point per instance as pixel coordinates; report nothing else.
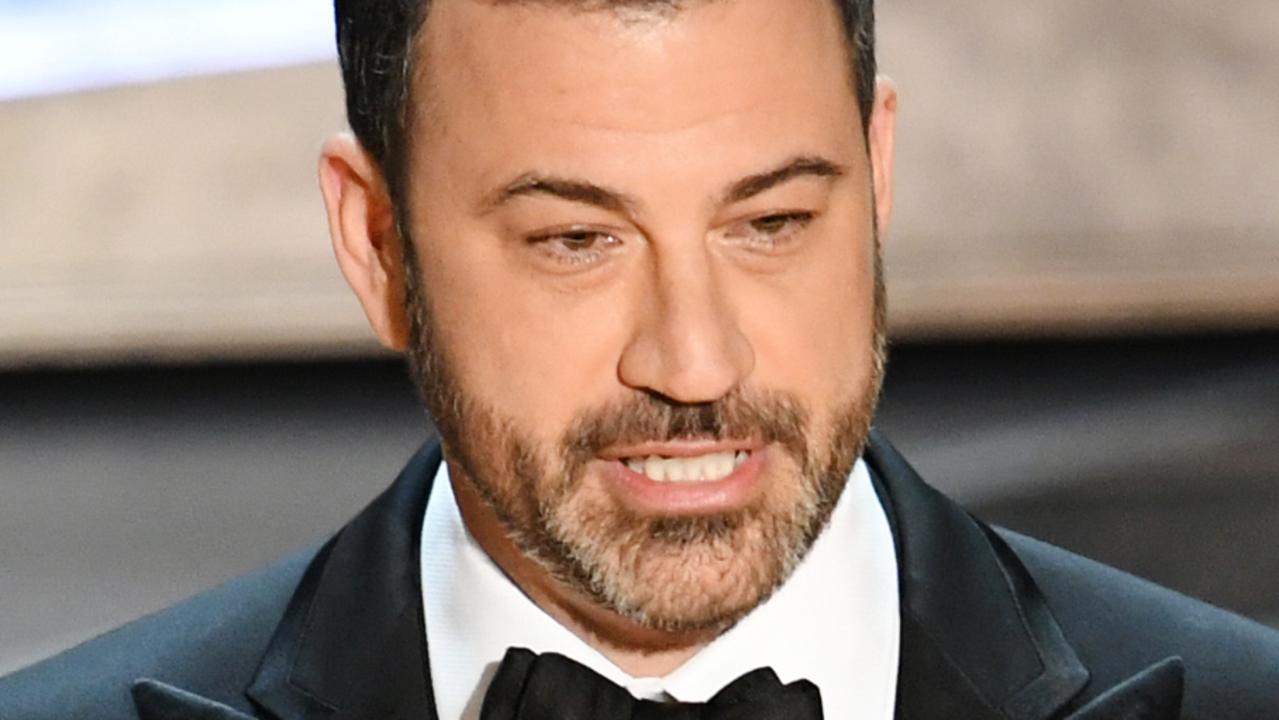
(529, 686)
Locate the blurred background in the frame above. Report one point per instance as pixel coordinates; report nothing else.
(1083, 273)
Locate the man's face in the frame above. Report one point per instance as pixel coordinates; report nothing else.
(645, 288)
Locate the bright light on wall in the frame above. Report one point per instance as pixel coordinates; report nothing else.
(53, 46)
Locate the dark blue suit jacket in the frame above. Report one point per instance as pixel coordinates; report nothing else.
(995, 625)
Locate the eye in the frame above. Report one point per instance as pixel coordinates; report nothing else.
(575, 245)
(768, 231)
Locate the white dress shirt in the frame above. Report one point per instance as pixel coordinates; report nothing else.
(834, 622)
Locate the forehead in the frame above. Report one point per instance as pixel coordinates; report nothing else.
(663, 68)
(664, 106)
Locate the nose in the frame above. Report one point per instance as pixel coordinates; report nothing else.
(688, 345)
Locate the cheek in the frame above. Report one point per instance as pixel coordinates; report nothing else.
(536, 355)
(814, 334)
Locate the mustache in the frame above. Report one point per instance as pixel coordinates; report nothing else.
(753, 415)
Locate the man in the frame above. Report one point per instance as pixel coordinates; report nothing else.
(631, 252)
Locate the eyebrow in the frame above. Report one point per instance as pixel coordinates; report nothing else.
(589, 193)
(579, 191)
(802, 166)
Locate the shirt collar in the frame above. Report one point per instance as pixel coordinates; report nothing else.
(835, 621)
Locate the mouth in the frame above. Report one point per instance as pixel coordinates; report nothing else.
(707, 467)
(695, 478)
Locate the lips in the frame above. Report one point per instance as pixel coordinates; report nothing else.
(697, 468)
(668, 481)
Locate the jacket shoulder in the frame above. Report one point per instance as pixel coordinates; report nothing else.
(210, 643)
(1118, 623)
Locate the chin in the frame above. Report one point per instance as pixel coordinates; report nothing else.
(682, 574)
(683, 595)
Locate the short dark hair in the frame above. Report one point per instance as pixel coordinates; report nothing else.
(376, 40)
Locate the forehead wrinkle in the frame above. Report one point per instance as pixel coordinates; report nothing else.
(628, 11)
(712, 115)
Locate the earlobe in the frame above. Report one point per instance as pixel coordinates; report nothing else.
(365, 241)
(881, 136)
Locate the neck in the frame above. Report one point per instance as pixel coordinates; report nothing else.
(639, 651)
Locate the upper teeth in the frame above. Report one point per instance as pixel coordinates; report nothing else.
(715, 466)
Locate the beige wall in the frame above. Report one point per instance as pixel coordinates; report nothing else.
(1093, 166)
(1085, 166)
(172, 220)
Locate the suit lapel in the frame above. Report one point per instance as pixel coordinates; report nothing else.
(352, 645)
(1152, 694)
(977, 640)
(155, 700)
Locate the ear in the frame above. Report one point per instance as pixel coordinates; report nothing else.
(880, 138)
(365, 240)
